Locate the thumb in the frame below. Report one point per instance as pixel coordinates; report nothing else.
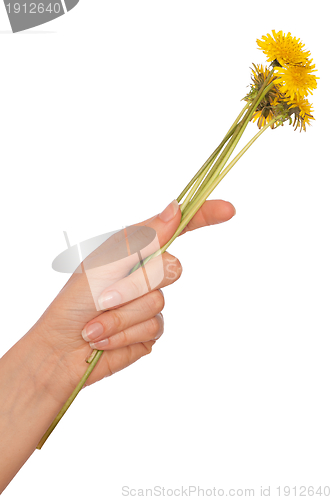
(166, 223)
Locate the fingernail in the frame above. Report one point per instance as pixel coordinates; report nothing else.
(169, 212)
(110, 299)
(92, 332)
(99, 345)
(159, 335)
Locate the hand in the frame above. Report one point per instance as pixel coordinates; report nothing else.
(39, 372)
(127, 331)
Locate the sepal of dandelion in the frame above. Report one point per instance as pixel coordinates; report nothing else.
(259, 75)
(301, 111)
(269, 107)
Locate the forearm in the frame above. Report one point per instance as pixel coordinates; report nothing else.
(28, 372)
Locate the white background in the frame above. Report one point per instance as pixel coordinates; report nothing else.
(106, 113)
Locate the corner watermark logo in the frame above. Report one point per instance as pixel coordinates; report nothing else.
(24, 14)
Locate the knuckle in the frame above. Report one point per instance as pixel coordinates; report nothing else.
(124, 338)
(109, 368)
(135, 290)
(155, 301)
(117, 320)
(148, 347)
(161, 300)
(129, 355)
(158, 300)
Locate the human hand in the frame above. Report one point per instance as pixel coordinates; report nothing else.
(133, 320)
(40, 372)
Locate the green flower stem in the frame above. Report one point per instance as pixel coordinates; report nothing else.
(237, 136)
(191, 209)
(223, 158)
(211, 173)
(189, 214)
(208, 190)
(188, 186)
(214, 154)
(215, 166)
(197, 179)
(204, 195)
(205, 169)
(70, 400)
(240, 127)
(239, 117)
(92, 355)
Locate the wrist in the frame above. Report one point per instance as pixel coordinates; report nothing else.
(41, 369)
(57, 368)
(27, 371)
(33, 388)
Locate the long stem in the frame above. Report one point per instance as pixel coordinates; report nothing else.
(222, 160)
(242, 126)
(209, 164)
(69, 400)
(214, 154)
(191, 211)
(203, 196)
(212, 172)
(216, 168)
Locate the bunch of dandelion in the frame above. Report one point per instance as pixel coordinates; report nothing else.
(277, 94)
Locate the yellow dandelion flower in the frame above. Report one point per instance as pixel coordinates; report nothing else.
(259, 77)
(287, 49)
(263, 116)
(275, 101)
(302, 110)
(266, 108)
(297, 80)
(305, 108)
(260, 74)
